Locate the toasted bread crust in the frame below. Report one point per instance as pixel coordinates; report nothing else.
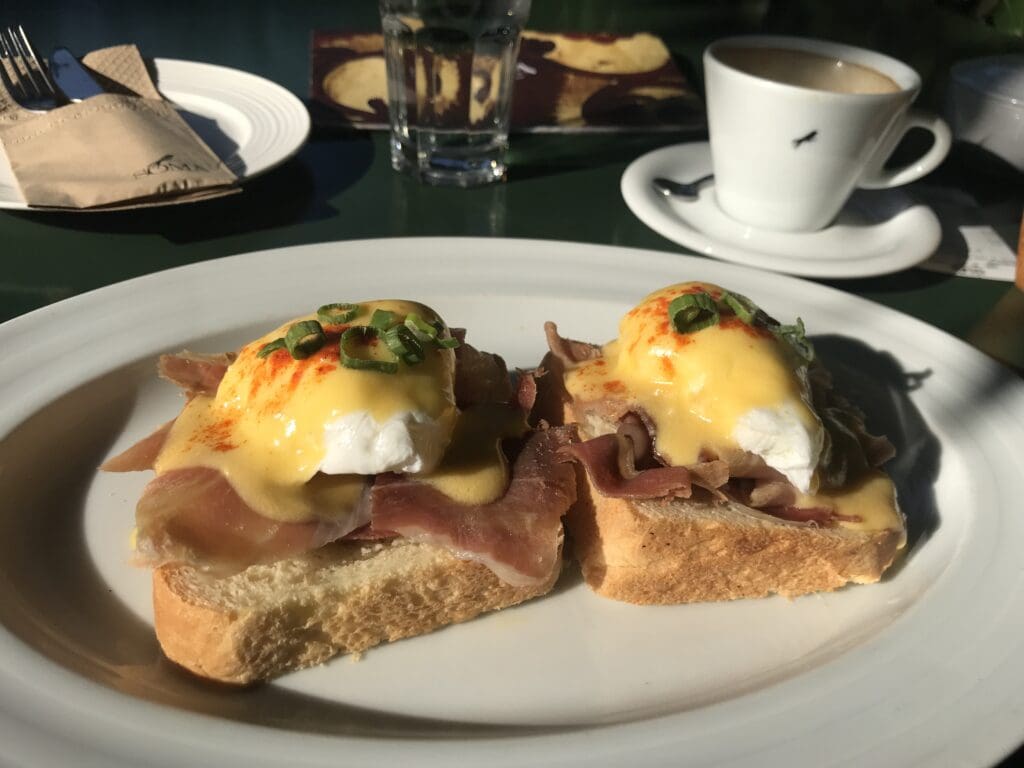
(687, 551)
(344, 598)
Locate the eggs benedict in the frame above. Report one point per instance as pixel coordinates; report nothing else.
(359, 434)
(282, 416)
(707, 426)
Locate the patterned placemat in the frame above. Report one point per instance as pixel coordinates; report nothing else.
(564, 82)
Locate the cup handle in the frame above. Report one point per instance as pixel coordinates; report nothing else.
(882, 178)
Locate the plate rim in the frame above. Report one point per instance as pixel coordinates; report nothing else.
(295, 104)
(11, 330)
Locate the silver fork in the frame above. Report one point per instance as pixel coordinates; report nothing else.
(23, 74)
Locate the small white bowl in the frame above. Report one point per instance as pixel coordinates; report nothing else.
(985, 105)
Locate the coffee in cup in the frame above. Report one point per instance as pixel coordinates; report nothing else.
(796, 124)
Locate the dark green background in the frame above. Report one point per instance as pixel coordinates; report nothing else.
(340, 186)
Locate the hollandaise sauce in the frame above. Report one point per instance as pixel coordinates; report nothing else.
(867, 503)
(695, 386)
(699, 387)
(265, 427)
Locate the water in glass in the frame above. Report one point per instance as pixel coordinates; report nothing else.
(451, 68)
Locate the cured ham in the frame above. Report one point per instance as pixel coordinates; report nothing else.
(600, 457)
(749, 465)
(526, 389)
(772, 493)
(517, 537)
(640, 443)
(369, 533)
(569, 351)
(197, 374)
(480, 377)
(196, 516)
(140, 456)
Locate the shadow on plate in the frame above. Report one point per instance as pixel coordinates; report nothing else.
(223, 146)
(877, 384)
(55, 600)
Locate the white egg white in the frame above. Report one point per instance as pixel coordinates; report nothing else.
(779, 436)
(408, 442)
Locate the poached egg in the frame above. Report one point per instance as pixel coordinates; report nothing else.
(297, 436)
(730, 386)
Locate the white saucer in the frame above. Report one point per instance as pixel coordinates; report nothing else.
(251, 123)
(878, 232)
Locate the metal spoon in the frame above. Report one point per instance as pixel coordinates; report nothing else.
(688, 190)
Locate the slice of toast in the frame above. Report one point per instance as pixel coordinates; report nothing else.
(690, 550)
(343, 598)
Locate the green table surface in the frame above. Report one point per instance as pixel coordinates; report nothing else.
(340, 185)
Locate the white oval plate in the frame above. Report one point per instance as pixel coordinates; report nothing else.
(926, 667)
(250, 123)
(878, 232)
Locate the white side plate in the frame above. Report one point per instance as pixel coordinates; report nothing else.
(876, 233)
(250, 123)
(926, 667)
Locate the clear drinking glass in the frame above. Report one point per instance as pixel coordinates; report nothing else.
(451, 66)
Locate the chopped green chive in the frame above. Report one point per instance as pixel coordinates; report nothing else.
(271, 347)
(693, 312)
(404, 345)
(304, 338)
(745, 309)
(406, 338)
(336, 314)
(423, 330)
(359, 334)
(796, 337)
(382, 319)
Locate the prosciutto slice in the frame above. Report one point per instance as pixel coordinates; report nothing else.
(772, 493)
(749, 465)
(480, 377)
(142, 455)
(526, 389)
(569, 351)
(197, 374)
(195, 516)
(635, 440)
(602, 457)
(516, 537)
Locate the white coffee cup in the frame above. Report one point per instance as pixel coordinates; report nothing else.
(796, 124)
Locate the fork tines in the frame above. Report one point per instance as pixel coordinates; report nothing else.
(19, 63)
